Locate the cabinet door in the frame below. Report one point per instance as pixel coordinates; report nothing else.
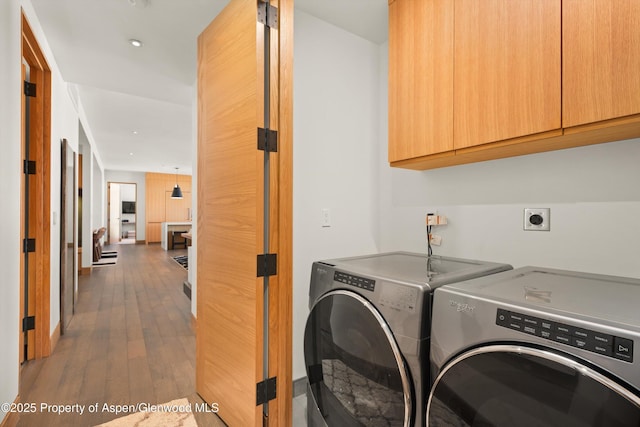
(420, 78)
(178, 209)
(601, 60)
(507, 69)
(153, 232)
(185, 182)
(155, 211)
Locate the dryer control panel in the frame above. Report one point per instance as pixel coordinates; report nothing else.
(586, 339)
(357, 281)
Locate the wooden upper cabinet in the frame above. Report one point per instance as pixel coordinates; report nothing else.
(160, 207)
(154, 199)
(420, 78)
(601, 60)
(507, 69)
(477, 80)
(178, 210)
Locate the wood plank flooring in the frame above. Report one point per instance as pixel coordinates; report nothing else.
(130, 341)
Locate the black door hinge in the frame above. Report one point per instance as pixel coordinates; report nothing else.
(268, 140)
(267, 265)
(265, 391)
(28, 323)
(29, 89)
(29, 167)
(28, 245)
(268, 15)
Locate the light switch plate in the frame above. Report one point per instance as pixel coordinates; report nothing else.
(326, 218)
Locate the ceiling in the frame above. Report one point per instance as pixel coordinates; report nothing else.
(138, 101)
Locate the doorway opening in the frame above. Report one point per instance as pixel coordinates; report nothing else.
(122, 199)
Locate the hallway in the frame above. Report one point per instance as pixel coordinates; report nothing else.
(130, 341)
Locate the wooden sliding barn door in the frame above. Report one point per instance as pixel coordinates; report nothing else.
(243, 340)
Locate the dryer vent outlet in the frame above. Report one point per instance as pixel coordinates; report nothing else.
(537, 219)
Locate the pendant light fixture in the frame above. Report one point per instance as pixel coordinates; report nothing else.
(177, 192)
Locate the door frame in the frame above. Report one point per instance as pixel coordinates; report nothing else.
(40, 224)
(65, 286)
(108, 207)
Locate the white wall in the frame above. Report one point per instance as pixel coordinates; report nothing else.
(193, 249)
(99, 205)
(593, 193)
(127, 192)
(138, 178)
(87, 199)
(336, 94)
(10, 77)
(64, 124)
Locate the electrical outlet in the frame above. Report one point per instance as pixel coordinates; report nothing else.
(537, 219)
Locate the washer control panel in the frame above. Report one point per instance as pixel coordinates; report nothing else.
(586, 339)
(399, 297)
(358, 282)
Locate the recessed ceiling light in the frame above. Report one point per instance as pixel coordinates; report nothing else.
(135, 132)
(135, 42)
(131, 154)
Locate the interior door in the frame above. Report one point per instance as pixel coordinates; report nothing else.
(229, 357)
(36, 207)
(243, 350)
(114, 213)
(29, 214)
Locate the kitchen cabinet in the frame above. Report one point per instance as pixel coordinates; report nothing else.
(506, 69)
(155, 200)
(178, 209)
(420, 78)
(526, 76)
(159, 205)
(153, 232)
(601, 60)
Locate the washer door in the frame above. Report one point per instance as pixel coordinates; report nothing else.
(356, 373)
(508, 385)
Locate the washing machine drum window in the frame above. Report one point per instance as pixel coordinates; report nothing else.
(356, 373)
(506, 386)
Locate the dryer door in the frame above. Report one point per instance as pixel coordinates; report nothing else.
(356, 372)
(508, 385)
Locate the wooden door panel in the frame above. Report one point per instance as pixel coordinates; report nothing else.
(185, 182)
(154, 232)
(507, 69)
(230, 223)
(420, 78)
(601, 60)
(177, 209)
(155, 198)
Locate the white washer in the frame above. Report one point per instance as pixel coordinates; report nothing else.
(367, 336)
(536, 347)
